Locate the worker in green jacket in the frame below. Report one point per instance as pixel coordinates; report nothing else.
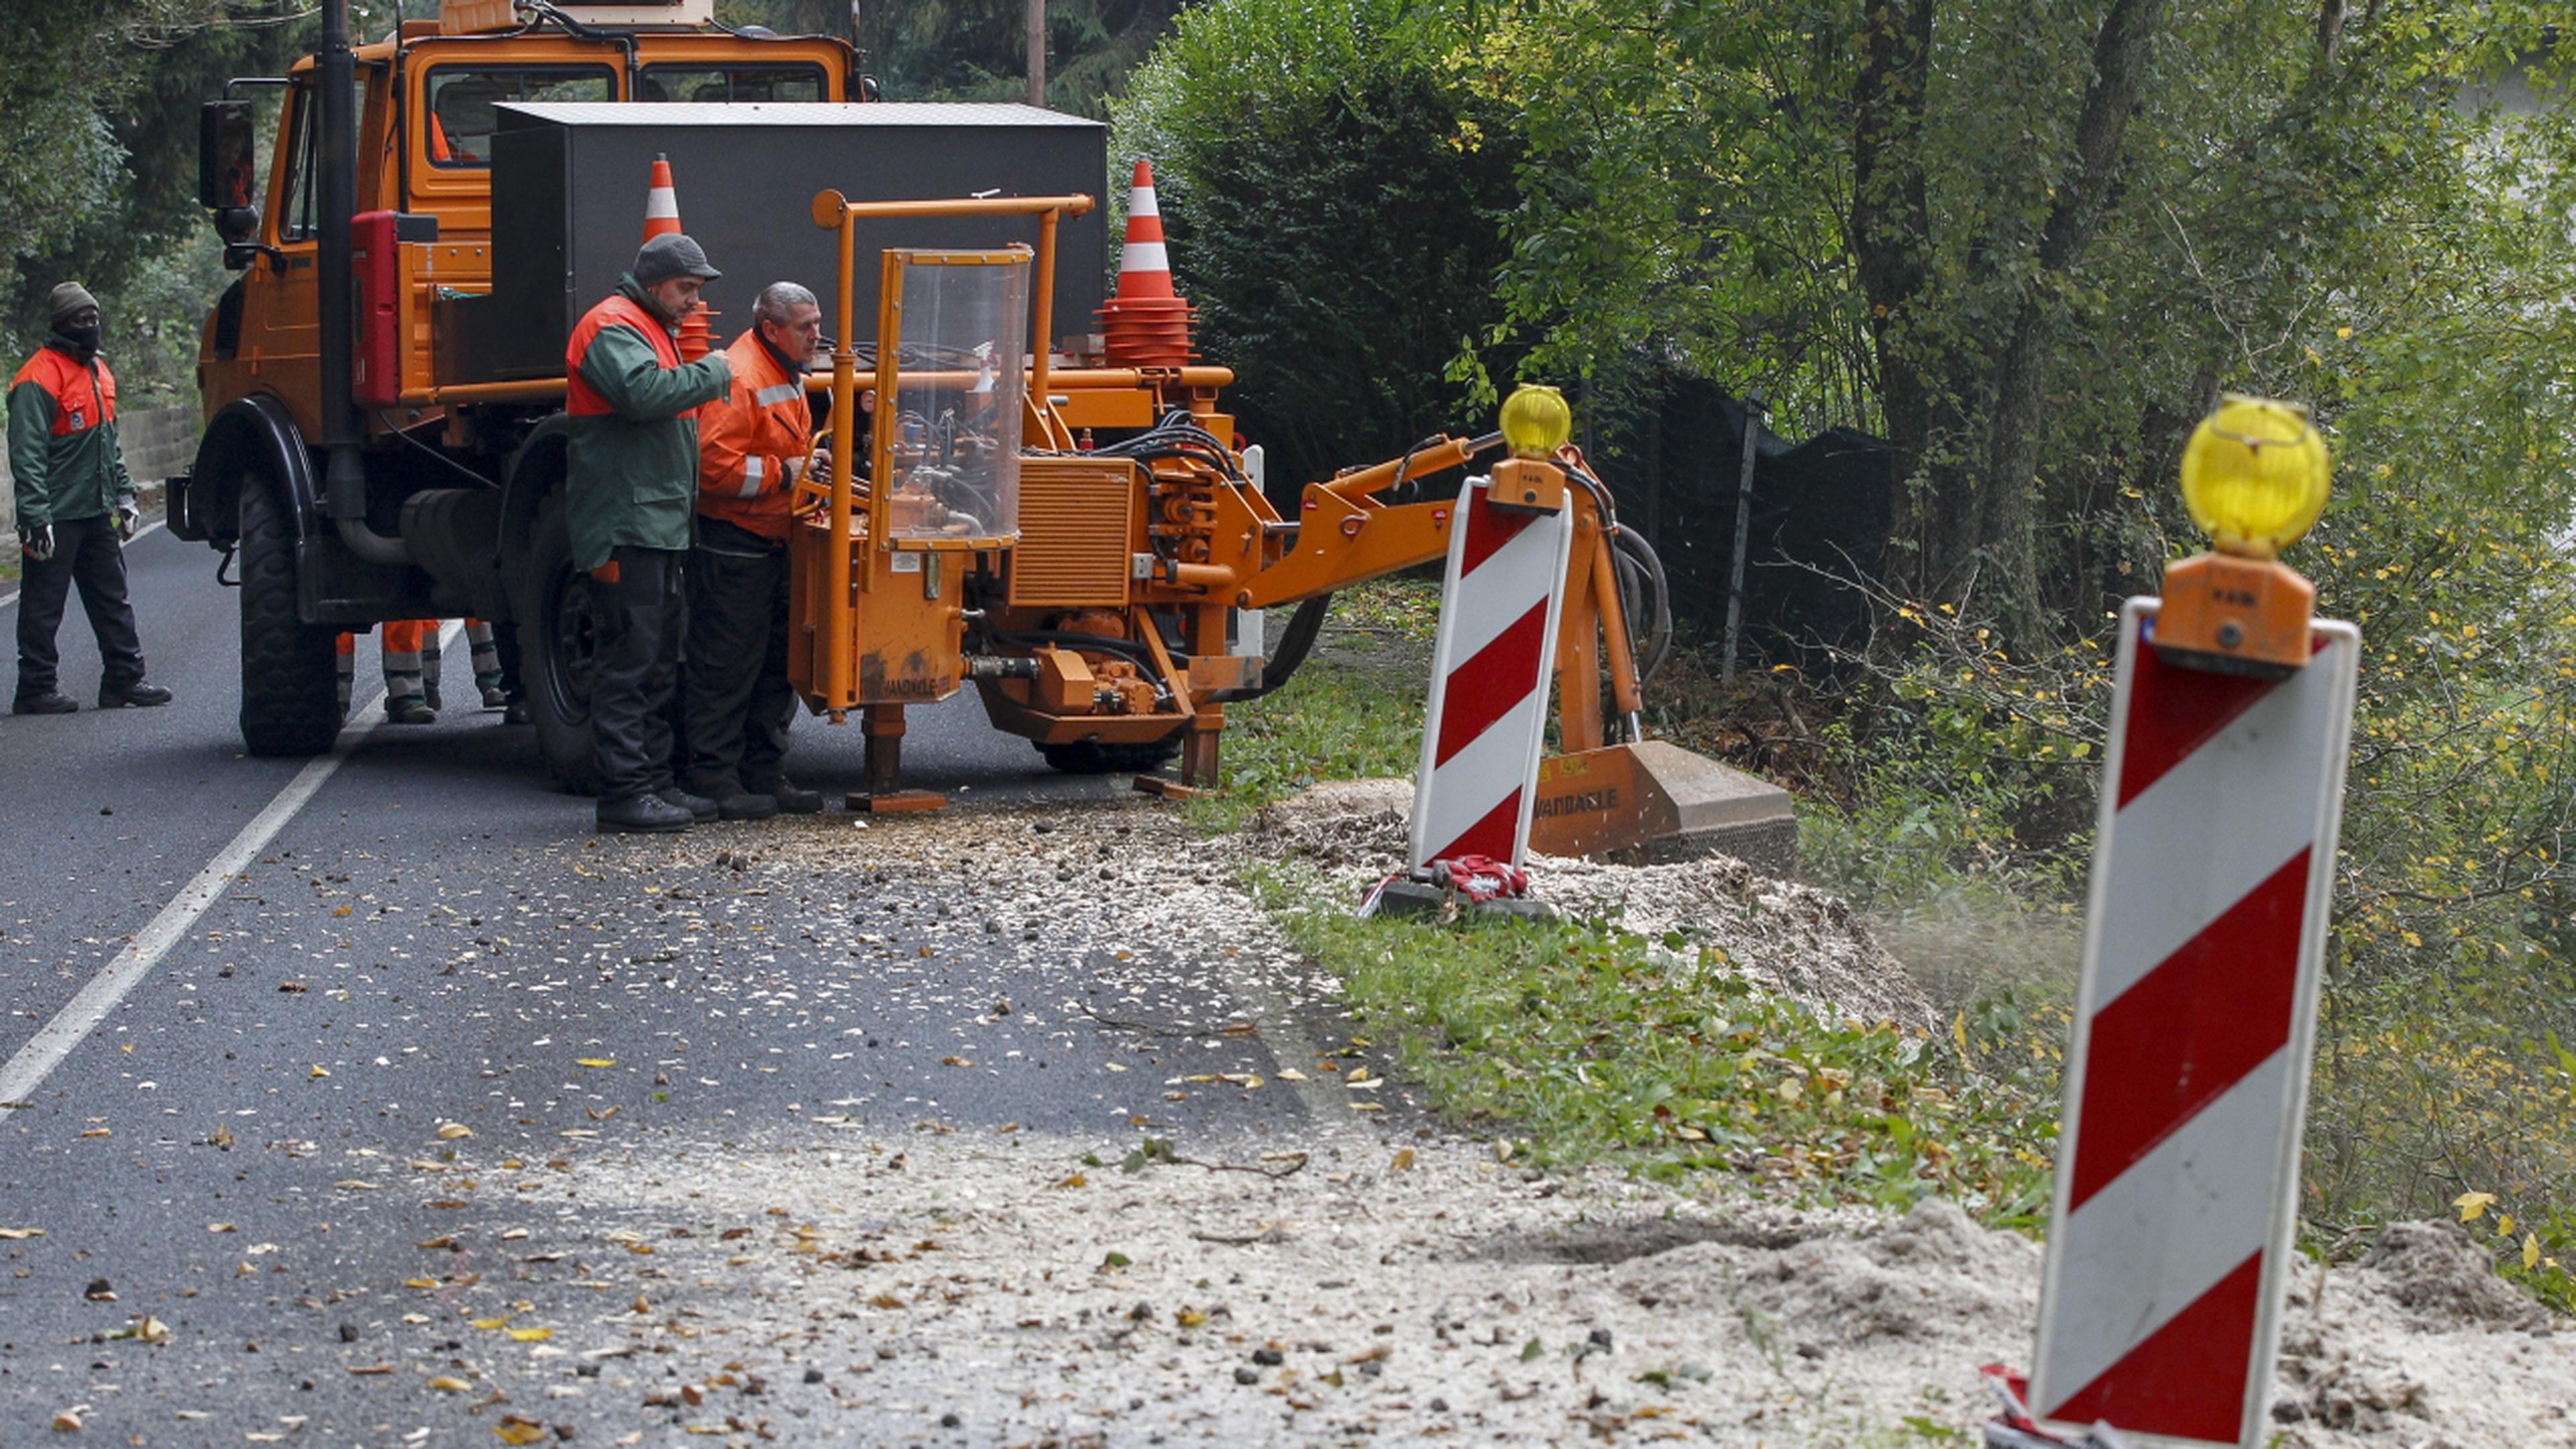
(75, 509)
(631, 501)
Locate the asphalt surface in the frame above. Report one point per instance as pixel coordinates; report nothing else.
(432, 997)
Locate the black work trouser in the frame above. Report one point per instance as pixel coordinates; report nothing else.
(87, 555)
(639, 673)
(738, 704)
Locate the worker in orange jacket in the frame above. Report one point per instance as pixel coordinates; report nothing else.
(753, 444)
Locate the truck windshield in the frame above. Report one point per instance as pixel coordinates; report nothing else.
(732, 83)
(461, 100)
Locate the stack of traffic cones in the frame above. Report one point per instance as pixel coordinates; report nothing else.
(662, 218)
(1147, 324)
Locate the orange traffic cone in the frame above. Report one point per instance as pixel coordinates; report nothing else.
(662, 218)
(662, 203)
(1147, 324)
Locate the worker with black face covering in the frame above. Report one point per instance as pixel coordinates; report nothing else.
(75, 508)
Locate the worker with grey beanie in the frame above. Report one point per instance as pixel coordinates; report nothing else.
(631, 489)
(75, 510)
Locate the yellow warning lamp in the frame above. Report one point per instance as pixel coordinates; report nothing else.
(2254, 476)
(1536, 421)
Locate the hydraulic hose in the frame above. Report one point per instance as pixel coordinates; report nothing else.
(1295, 643)
(1637, 561)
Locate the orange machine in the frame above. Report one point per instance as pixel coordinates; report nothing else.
(1088, 594)
(405, 456)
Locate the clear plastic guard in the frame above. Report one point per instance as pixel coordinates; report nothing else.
(952, 449)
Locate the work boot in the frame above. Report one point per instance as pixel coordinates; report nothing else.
(515, 712)
(140, 694)
(792, 798)
(641, 815)
(733, 802)
(494, 698)
(409, 712)
(52, 701)
(698, 806)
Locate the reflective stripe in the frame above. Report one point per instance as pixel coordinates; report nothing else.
(772, 396)
(1144, 257)
(751, 471)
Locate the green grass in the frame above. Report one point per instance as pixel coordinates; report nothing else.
(1581, 1043)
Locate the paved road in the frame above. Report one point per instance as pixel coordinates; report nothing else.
(248, 1145)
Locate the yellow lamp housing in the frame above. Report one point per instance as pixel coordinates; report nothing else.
(2254, 475)
(1536, 421)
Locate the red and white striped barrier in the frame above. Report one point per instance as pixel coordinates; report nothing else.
(2186, 1086)
(1487, 723)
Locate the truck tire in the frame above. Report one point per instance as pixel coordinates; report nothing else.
(561, 626)
(1089, 757)
(290, 701)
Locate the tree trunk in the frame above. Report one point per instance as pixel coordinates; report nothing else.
(1891, 244)
(2008, 511)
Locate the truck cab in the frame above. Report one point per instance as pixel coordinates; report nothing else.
(358, 457)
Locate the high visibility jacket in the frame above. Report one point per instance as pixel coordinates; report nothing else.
(633, 455)
(753, 441)
(63, 451)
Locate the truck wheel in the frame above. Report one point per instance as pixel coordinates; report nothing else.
(290, 701)
(1089, 757)
(562, 625)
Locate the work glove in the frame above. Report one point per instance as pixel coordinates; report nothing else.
(36, 541)
(129, 515)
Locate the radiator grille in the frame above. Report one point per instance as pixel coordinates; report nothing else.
(1075, 532)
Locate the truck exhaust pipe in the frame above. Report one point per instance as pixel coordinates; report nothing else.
(344, 477)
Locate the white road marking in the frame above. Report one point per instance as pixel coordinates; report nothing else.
(72, 1025)
(11, 597)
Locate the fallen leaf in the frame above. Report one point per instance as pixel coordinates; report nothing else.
(489, 1323)
(317, 1071)
(67, 1422)
(532, 1335)
(99, 1132)
(341, 910)
(955, 1062)
(371, 1370)
(16, 1235)
(450, 1131)
(223, 1136)
(442, 1241)
(1404, 1159)
(1076, 1180)
(222, 1228)
(353, 1184)
(885, 1300)
(1291, 1074)
(595, 1061)
(519, 1431)
(449, 1383)
(424, 1284)
(2473, 1205)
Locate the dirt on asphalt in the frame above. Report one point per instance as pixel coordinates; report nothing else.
(1341, 1276)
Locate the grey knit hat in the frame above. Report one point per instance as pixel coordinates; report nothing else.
(673, 254)
(67, 298)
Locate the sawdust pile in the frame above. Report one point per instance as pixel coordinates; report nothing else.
(1792, 939)
(1398, 1288)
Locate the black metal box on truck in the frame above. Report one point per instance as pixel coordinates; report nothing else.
(569, 183)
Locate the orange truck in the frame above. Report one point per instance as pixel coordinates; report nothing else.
(1072, 528)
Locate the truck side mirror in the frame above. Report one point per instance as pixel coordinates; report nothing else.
(226, 162)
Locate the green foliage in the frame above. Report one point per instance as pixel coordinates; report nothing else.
(1581, 1042)
(1335, 201)
(98, 168)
